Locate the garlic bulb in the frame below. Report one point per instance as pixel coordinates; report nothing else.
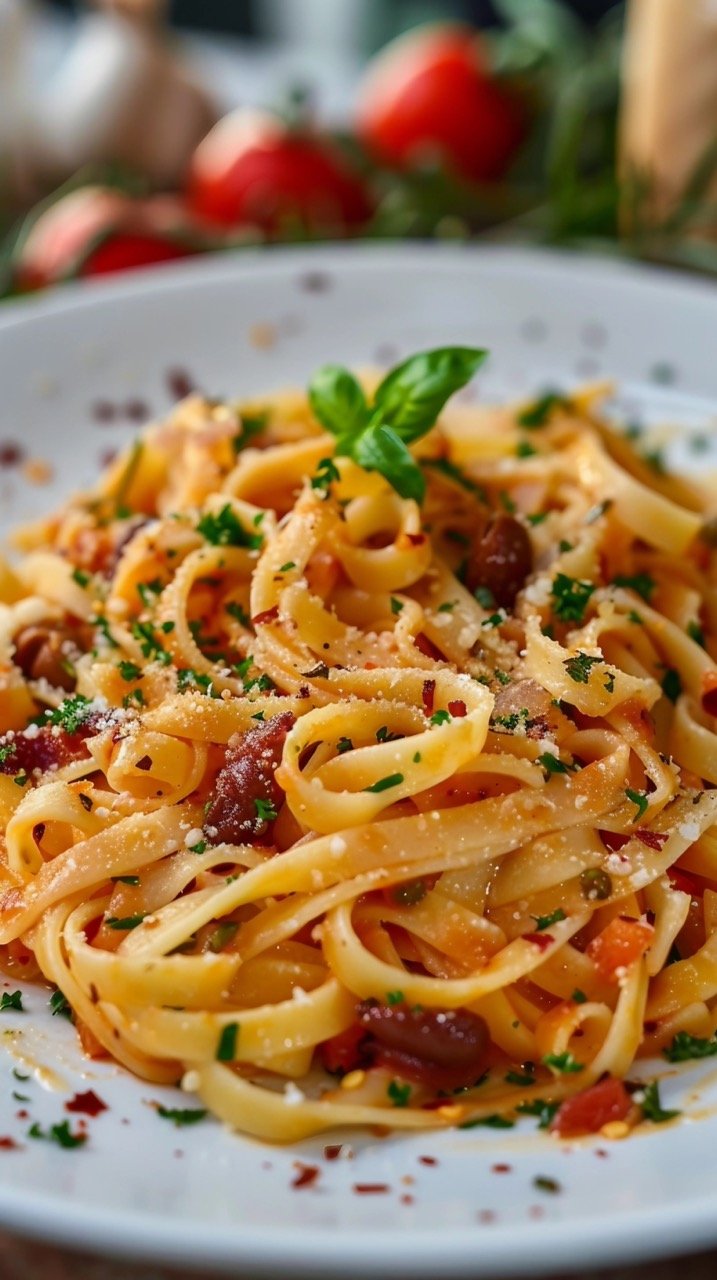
(122, 95)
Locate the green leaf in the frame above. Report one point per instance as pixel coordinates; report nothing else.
(685, 1048)
(11, 1000)
(412, 395)
(182, 1116)
(652, 1108)
(338, 401)
(59, 1004)
(380, 449)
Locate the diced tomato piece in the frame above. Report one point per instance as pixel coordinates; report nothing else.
(342, 1053)
(621, 943)
(685, 882)
(588, 1111)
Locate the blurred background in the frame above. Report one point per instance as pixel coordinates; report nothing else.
(138, 131)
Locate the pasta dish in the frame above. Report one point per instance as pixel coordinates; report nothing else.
(358, 755)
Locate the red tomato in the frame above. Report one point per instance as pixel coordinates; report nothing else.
(94, 231)
(588, 1111)
(252, 170)
(342, 1053)
(429, 95)
(620, 944)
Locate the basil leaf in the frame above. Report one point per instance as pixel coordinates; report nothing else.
(380, 449)
(412, 395)
(338, 401)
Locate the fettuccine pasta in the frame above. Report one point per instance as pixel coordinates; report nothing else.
(348, 783)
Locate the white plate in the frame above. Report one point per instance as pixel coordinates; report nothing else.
(139, 1187)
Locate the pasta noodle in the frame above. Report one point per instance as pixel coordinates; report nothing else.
(349, 783)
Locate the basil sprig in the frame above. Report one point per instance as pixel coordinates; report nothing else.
(405, 407)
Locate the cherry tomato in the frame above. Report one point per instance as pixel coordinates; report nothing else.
(619, 945)
(429, 95)
(251, 169)
(95, 231)
(588, 1111)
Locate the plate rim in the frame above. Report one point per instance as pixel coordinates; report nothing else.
(529, 1248)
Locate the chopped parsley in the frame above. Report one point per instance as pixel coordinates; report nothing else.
(494, 1121)
(344, 744)
(563, 1062)
(227, 1043)
(384, 735)
(135, 695)
(524, 449)
(59, 1133)
(544, 922)
(143, 632)
(223, 934)
(695, 632)
(539, 1107)
(652, 1108)
(551, 763)
(551, 1185)
(265, 810)
(7, 750)
(671, 684)
(226, 530)
(133, 880)
(182, 1115)
(129, 671)
(685, 1048)
(396, 605)
(537, 517)
(237, 611)
(384, 784)
(579, 667)
(570, 597)
(494, 620)
(579, 997)
(80, 577)
(148, 591)
(538, 413)
(399, 1093)
(394, 997)
(448, 606)
(639, 799)
(59, 1004)
(642, 583)
(326, 473)
(11, 1000)
(124, 922)
(485, 597)
(521, 1078)
(440, 717)
(290, 564)
(71, 713)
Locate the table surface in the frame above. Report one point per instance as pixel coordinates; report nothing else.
(23, 1260)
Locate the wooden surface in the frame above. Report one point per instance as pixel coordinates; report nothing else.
(22, 1260)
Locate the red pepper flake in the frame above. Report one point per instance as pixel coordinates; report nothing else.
(267, 615)
(601, 1153)
(429, 1160)
(103, 411)
(106, 457)
(416, 539)
(458, 708)
(407, 1199)
(428, 694)
(486, 1215)
(87, 1104)
(11, 454)
(613, 840)
(427, 647)
(180, 383)
(22, 1114)
(306, 1174)
(145, 763)
(501, 1168)
(541, 940)
(333, 1151)
(370, 1188)
(653, 839)
(137, 411)
(9, 1144)
(709, 693)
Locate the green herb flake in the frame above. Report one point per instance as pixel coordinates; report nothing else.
(544, 922)
(440, 717)
(81, 578)
(344, 744)
(394, 997)
(227, 1043)
(223, 935)
(399, 1094)
(579, 997)
(265, 810)
(485, 597)
(326, 474)
(396, 605)
(129, 671)
(580, 666)
(563, 1062)
(226, 530)
(494, 1121)
(384, 784)
(11, 1000)
(133, 880)
(652, 1108)
(524, 449)
(549, 1185)
(544, 1111)
(124, 923)
(695, 632)
(59, 1133)
(59, 1004)
(639, 799)
(551, 763)
(686, 1048)
(181, 1116)
(448, 606)
(570, 597)
(643, 584)
(537, 517)
(671, 684)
